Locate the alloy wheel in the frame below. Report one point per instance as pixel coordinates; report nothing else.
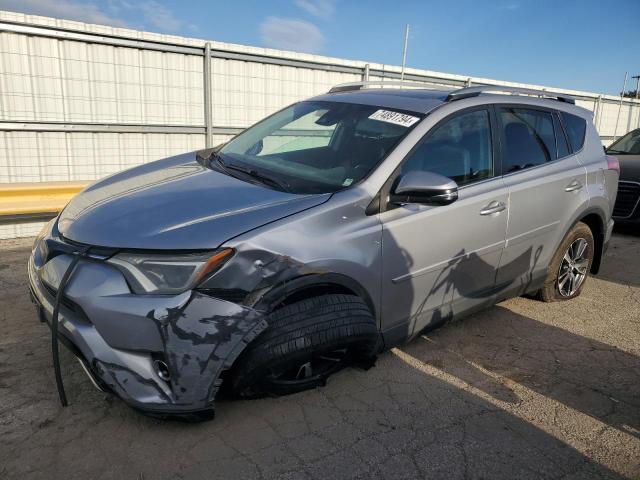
(573, 268)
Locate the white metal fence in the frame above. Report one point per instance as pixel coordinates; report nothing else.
(80, 101)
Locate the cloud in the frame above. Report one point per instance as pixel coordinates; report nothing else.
(67, 9)
(291, 34)
(152, 15)
(318, 8)
(160, 16)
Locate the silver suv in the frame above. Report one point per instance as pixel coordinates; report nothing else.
(333, 229)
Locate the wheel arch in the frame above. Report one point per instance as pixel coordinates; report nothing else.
(594, 218)
(311, 285)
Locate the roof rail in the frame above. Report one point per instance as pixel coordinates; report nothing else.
(348, 87)
(475, 91)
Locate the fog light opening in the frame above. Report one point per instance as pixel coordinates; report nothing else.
(162, 370)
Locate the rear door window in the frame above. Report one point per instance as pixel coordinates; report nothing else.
(528, 138)
(575, 128)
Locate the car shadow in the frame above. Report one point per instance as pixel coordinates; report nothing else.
(583, 374)
(413, 416)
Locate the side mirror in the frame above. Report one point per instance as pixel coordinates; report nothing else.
(427, 188)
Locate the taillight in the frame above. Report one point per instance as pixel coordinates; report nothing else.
(613, 163)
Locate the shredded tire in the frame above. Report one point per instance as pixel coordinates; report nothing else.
(300, 330)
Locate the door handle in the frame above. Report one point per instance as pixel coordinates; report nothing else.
(493, 207)
(573, 186)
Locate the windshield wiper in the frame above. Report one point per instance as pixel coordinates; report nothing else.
(225, 167)
(260, 177)
(257, 175)
(215, 156)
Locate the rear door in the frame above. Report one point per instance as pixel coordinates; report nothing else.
(546, 187)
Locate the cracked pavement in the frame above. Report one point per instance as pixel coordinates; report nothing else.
(522, 390)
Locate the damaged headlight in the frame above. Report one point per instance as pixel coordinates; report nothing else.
(167, 273)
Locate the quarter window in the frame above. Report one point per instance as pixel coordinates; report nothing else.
(561, 139)
(528, 138)
(576, 128)
(459, 148)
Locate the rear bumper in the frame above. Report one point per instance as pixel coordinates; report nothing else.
(118, 335)
(607, 236)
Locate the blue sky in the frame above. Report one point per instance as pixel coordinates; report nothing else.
(581, 44)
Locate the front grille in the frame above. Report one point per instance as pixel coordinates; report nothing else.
(55, 247)
(627, 199)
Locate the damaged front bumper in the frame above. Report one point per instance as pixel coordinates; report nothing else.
(120, 337)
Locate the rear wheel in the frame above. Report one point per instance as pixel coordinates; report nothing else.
(305, 343)
(570, 265)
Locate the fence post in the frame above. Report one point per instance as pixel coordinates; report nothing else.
(206, 84)
(624, 87)
(600, 108)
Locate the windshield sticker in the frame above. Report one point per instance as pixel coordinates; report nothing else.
(394, 117)
(347, 182)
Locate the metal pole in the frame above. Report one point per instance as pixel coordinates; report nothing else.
(624, 87)
(637, 77)
(365, 75)
(600, 107)
(208, 134)
(404, 51)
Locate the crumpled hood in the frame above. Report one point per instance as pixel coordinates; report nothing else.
(174, 204)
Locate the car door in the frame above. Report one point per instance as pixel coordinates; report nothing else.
(442, 260)
(546, 187)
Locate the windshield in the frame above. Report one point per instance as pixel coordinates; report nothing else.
(629, 144)
(318, 147)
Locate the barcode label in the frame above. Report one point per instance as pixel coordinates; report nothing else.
(394, 117)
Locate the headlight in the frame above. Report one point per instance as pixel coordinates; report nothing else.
(39, 249)
(166, 273)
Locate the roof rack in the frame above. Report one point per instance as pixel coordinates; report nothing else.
(348, 87)
(475, 91)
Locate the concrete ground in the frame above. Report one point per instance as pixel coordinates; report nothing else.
(522, 390)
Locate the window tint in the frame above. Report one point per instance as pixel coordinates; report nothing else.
(529, 138)
(561, 139)
(575, 128)
(459, 149)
